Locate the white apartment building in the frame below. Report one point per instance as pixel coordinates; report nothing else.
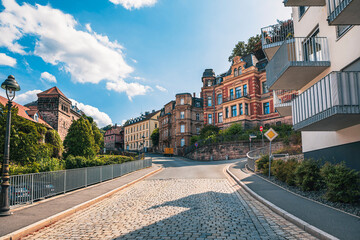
(317, 53)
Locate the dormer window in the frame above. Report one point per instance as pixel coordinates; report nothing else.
(240, 71)
(36, 117)
(181, 101)
(235, 72)
(209, 83)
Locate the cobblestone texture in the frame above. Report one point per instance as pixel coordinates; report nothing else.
(193, 209)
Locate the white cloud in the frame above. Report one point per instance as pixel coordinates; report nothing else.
(131, 89)
(48, 77)
(123, 122)
(88, 56)
(162, 89)
(131, 4)
(101, 118)
(26, 97)
(6, 60)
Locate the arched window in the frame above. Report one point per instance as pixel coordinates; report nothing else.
(235, 72)
(240, 71)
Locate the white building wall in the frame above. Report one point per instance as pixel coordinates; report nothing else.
(343, 51)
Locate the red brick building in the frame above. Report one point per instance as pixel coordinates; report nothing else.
(56, 109)
(114, 139)
(179, 120)
(239, 95)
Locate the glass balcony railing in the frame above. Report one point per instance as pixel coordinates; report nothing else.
(331, 104)
(272, 37)
(297, 3)
(298, 61)
(344, 12)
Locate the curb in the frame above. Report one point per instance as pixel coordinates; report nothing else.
(51, 220)
(291, 218)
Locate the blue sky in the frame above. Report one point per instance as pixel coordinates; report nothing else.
(117, 58)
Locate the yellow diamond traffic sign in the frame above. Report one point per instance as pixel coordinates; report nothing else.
(271, 134)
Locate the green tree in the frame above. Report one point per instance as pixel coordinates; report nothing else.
(80, 139)
(25, 140)
(52, 138)
(98, 137)
(155, 137)
(208, 130)
(252, 46)
(234, 129)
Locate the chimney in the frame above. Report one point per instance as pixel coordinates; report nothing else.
(153, 111)
(115, 125)
(194, 95)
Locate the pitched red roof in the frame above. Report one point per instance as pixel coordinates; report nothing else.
(53, 90)
(22, 111)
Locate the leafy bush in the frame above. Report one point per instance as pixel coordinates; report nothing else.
(262, 164)
(80, 162)
(44, 165)
(194, 139)
(342, 183)
(307, 175)
(285, 170)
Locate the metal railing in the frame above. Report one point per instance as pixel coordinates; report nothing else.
(254, 155)
(28, 188)
(338, 92)
(228, 99)
(274, 35)
(298, 52)
(335, 7)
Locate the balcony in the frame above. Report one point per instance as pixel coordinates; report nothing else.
(272, 37)
(297, 3)
(344, 12)
(331, 104)
(297, 62)
(229, 99)
(282, 101)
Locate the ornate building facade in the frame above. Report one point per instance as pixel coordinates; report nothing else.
(179, 120)
(240, 95)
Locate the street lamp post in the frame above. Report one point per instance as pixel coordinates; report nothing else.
(11, 86)
(143, 138)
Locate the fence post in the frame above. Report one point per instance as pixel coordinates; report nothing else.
(86, 172)
(32, 188)
(64, 181)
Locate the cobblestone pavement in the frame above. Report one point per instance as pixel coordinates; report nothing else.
(175, 209)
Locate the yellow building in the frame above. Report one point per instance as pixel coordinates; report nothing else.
(137, 131)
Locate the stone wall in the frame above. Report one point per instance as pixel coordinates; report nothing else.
(233, 150)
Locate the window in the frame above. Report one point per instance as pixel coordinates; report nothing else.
(209, 101)
(197, 117)
(246, 109)
(245, 90)
(36, 117)
(181, 101)
(342, 29)
(219, 99)
(266, 108)
(235, 72)
(240, 71)
(226, 112)
(209, 83)
(197, 104)
(155, 125)
(197, 130)
(312, 48)
(238, 92)
(233, 111)
(210, 119)
(182, 128)
(182, 142)
(182, 115)
(302, 10)
(231, 94)
(220, 117)
(241, 109)
(264, 87)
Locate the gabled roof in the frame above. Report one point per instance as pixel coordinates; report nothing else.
(52, 91)
(23, 112)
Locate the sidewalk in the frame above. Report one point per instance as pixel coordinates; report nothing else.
(25, 216)
(336, 223)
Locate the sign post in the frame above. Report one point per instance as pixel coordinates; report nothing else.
(271, 135)
(262, 135)
(250, 137)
